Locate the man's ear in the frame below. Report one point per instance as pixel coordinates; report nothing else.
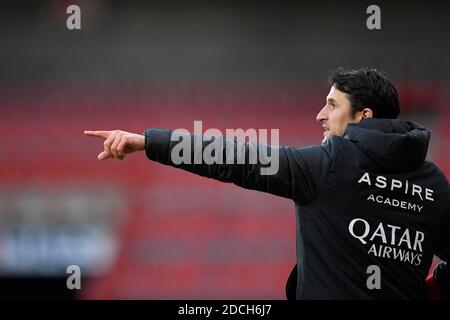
(363, 114)
(366, 113)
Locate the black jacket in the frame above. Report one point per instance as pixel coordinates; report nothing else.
(367, 200)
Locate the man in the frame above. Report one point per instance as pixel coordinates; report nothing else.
(371, 212)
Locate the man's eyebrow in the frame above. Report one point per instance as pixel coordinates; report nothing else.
(331, 100)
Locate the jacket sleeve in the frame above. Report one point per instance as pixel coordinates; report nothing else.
(441, 274)
(298, 175)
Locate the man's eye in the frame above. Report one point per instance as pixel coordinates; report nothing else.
(333, 106)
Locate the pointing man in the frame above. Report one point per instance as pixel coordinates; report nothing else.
(341, 231)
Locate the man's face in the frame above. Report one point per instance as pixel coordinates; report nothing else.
(336, 114)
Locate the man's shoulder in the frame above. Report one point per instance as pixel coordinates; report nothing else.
(435, 171)
(337, 146)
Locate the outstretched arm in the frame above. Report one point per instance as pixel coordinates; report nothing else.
(299, 171)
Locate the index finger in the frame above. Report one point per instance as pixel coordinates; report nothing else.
(98, 133)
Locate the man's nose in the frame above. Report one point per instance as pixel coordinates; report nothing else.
(322, 115)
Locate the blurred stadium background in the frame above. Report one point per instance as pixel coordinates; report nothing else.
(140, 230)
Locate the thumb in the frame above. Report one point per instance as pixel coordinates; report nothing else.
(104, 155)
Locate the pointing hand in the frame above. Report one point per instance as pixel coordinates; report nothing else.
(118, 143)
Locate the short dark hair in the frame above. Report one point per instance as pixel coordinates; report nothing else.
(367, 88)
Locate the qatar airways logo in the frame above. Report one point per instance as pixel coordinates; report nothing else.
(412, 190)
(389, 241)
